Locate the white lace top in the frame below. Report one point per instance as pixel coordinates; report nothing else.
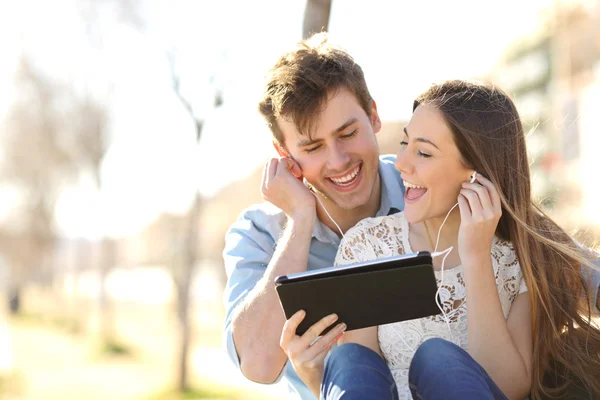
(388, 236)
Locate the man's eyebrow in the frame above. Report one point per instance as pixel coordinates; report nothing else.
(309, 141)
(423, 140)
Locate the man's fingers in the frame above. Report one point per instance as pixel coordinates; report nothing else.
(314, 331)
(324, 343)
(273, 165)
(289, 328)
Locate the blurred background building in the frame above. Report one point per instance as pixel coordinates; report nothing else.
(130, 141)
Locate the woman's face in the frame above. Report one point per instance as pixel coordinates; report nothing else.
(430, 165)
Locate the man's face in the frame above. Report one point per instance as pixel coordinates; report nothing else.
(341, 159)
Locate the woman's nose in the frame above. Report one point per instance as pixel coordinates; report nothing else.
(403, 163)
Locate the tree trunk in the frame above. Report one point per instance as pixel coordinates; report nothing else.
(106, 310)
(14, 299)
(316, 17)
(183, 288)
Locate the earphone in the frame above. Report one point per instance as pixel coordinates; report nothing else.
(473, 177)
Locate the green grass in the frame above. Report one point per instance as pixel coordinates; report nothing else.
(62, 323)
(113, 347)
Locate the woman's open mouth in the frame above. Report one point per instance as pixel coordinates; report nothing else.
(413, 192)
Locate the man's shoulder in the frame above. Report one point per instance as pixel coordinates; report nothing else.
(387, 167)
(261, 217)
(387, 159)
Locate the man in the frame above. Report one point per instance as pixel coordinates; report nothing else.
(323, 122)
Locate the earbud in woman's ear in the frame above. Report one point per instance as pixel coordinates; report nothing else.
(473, 177)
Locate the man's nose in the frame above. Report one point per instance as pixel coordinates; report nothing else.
(338, 158)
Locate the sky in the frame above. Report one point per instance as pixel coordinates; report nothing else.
(153, 164)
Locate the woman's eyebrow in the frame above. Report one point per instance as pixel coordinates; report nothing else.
(422, 140)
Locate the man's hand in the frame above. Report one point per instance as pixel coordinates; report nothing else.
(307, 352)
(282, 186)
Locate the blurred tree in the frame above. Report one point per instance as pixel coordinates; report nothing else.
(185, 263)
(316, 17)
(185, 249)
(89, 146)
(91, 141)
(36, 164)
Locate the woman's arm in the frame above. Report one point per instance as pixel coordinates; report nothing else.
(503, 348)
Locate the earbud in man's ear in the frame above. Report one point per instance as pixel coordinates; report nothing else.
(473, 177)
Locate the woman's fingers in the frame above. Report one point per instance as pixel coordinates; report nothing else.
(463, 206)
(493, 193)
(483, 196)
(474, 203)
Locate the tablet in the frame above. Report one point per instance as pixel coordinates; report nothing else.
(364, 294)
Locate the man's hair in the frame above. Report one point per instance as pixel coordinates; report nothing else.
(298, 85)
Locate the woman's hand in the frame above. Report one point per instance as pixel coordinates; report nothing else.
(480, 212)
(307, 352)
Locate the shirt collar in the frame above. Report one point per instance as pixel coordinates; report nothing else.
(392, 199)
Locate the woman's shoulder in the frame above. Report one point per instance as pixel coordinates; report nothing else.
(371, 238)
(504, 250)
(372, 225)
(505, 257)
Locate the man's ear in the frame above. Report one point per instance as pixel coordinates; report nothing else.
(280, 150)
(375, 120)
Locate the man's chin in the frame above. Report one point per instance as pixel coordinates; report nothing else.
(349, 201)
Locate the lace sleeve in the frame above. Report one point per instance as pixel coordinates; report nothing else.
(370, 239)
(523, 285)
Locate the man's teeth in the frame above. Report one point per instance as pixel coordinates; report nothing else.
(347, 178)
(410, 185)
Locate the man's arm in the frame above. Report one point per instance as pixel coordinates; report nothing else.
(256, 321)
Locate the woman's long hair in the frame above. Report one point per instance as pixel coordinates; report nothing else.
(489, 134)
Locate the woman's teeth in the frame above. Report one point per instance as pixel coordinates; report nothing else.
(347, 179)
(410, 185)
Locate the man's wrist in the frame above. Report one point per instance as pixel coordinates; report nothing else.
(303, 218)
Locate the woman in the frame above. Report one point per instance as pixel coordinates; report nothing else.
(528, 330)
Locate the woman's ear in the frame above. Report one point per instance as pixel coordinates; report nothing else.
(280, 149)
(375, 120)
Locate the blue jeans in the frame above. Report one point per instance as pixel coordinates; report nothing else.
(439, 370)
